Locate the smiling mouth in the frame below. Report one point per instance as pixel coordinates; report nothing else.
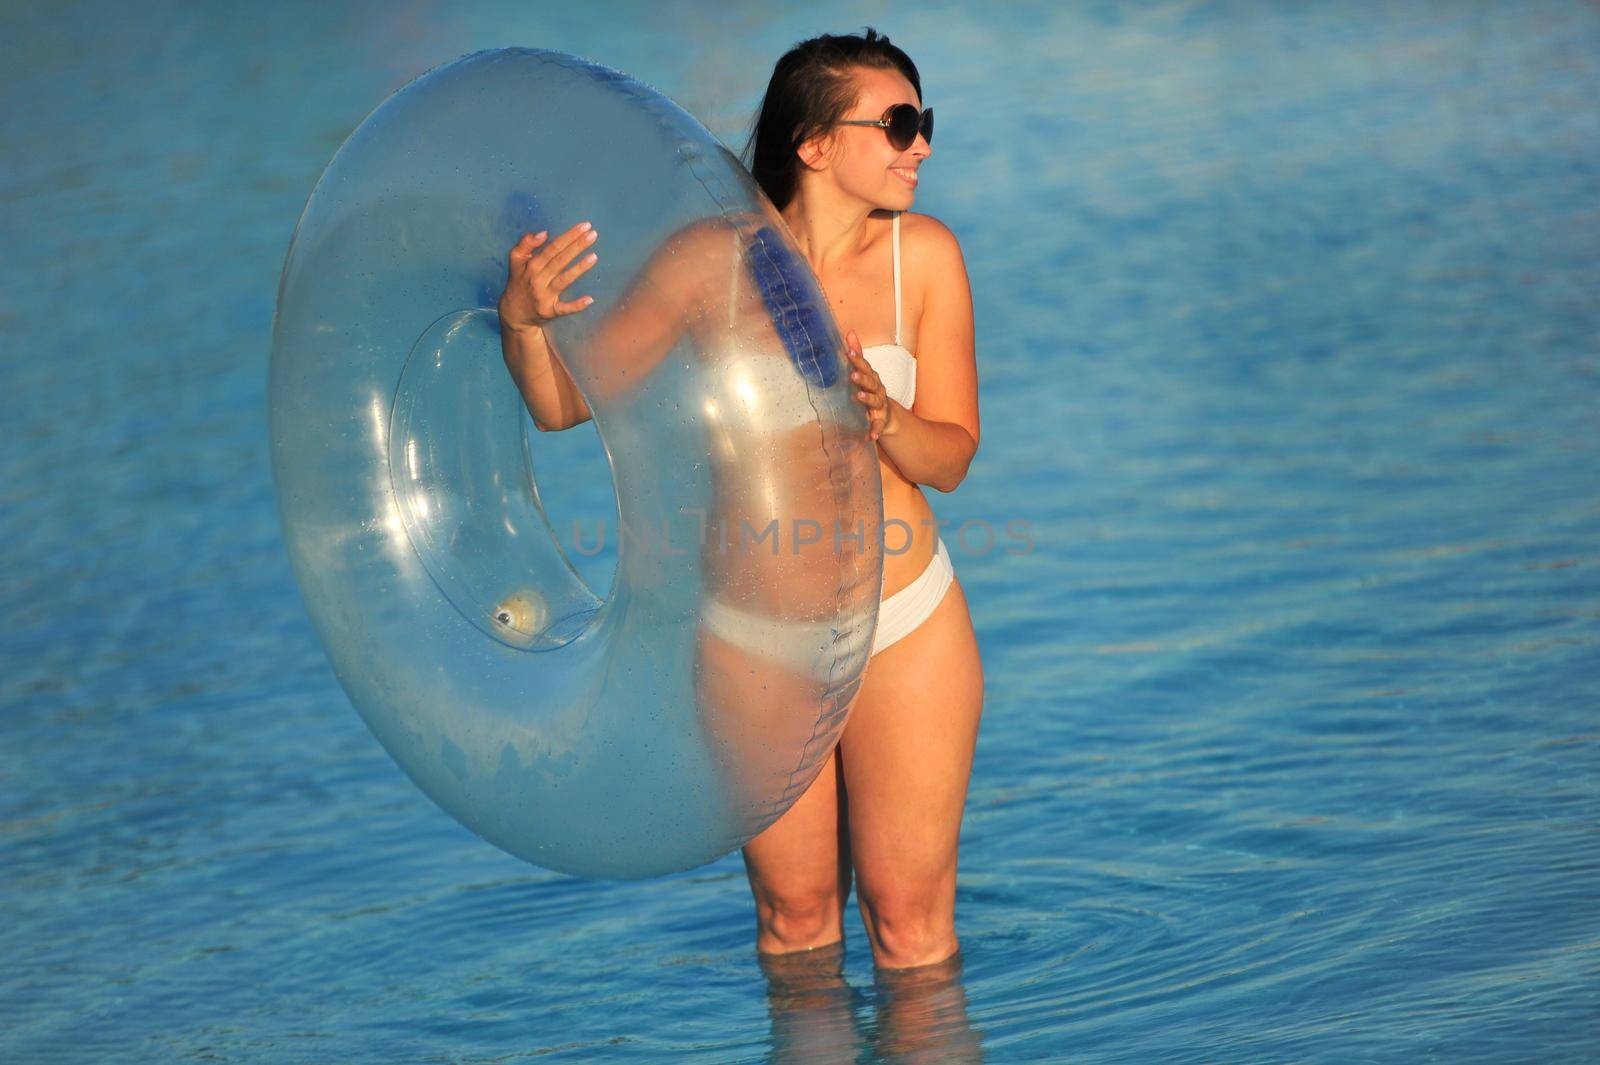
(904, 174)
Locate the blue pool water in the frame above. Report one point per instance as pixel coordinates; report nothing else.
(1289, 342)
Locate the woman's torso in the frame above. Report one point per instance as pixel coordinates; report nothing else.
(861, 295)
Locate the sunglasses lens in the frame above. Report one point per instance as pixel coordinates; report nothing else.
(927, 125)
(903, 119)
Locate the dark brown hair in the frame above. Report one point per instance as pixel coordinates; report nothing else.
(810, 90)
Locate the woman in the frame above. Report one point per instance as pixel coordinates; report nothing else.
(837, 147)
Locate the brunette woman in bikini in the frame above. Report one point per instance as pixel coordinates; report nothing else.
(837, 147)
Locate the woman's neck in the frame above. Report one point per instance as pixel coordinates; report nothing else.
(826, 225)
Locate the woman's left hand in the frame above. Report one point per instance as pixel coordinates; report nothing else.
(870, 392)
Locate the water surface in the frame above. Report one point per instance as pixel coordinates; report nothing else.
(1287, 339)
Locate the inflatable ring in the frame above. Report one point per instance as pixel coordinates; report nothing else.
(618, 736)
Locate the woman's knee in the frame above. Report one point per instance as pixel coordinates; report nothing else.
(798, 921)
(909, 930)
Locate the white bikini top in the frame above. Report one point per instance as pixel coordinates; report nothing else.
(896, 365)
(747, 396)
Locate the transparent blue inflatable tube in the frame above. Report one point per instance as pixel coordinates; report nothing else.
(627, 735)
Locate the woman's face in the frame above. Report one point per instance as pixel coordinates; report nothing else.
(861, 159)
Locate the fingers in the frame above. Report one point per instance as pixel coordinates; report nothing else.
(553, 271)
(547, 269)
(555, 253)
(870, 391)
(572, 273)
(877, 418)
(522, 250)
(561, 250)
(864, 375)
(863, 368)
(573, 306)
(874, 397)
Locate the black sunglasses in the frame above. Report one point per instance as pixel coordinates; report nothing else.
(901, 124)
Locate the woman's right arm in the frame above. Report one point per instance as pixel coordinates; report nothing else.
(534, 283)
(546, 386)
(663, 299)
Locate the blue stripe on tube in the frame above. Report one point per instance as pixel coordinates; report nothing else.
(801, 324)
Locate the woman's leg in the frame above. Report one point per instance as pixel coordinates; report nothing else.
(907, 757)
(799, 869)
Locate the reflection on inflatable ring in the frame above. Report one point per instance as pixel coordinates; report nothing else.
(613, 736)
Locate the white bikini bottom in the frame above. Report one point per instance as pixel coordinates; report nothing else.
(807, 647)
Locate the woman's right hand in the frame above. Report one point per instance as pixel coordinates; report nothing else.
(540, 270)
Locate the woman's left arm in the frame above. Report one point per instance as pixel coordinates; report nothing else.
(933, 441)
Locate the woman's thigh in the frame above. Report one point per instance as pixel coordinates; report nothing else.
(802, 860)
(907, 751)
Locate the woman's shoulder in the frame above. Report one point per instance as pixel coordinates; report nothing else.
(929, 241)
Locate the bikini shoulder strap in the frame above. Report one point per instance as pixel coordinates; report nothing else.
(897, 277)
